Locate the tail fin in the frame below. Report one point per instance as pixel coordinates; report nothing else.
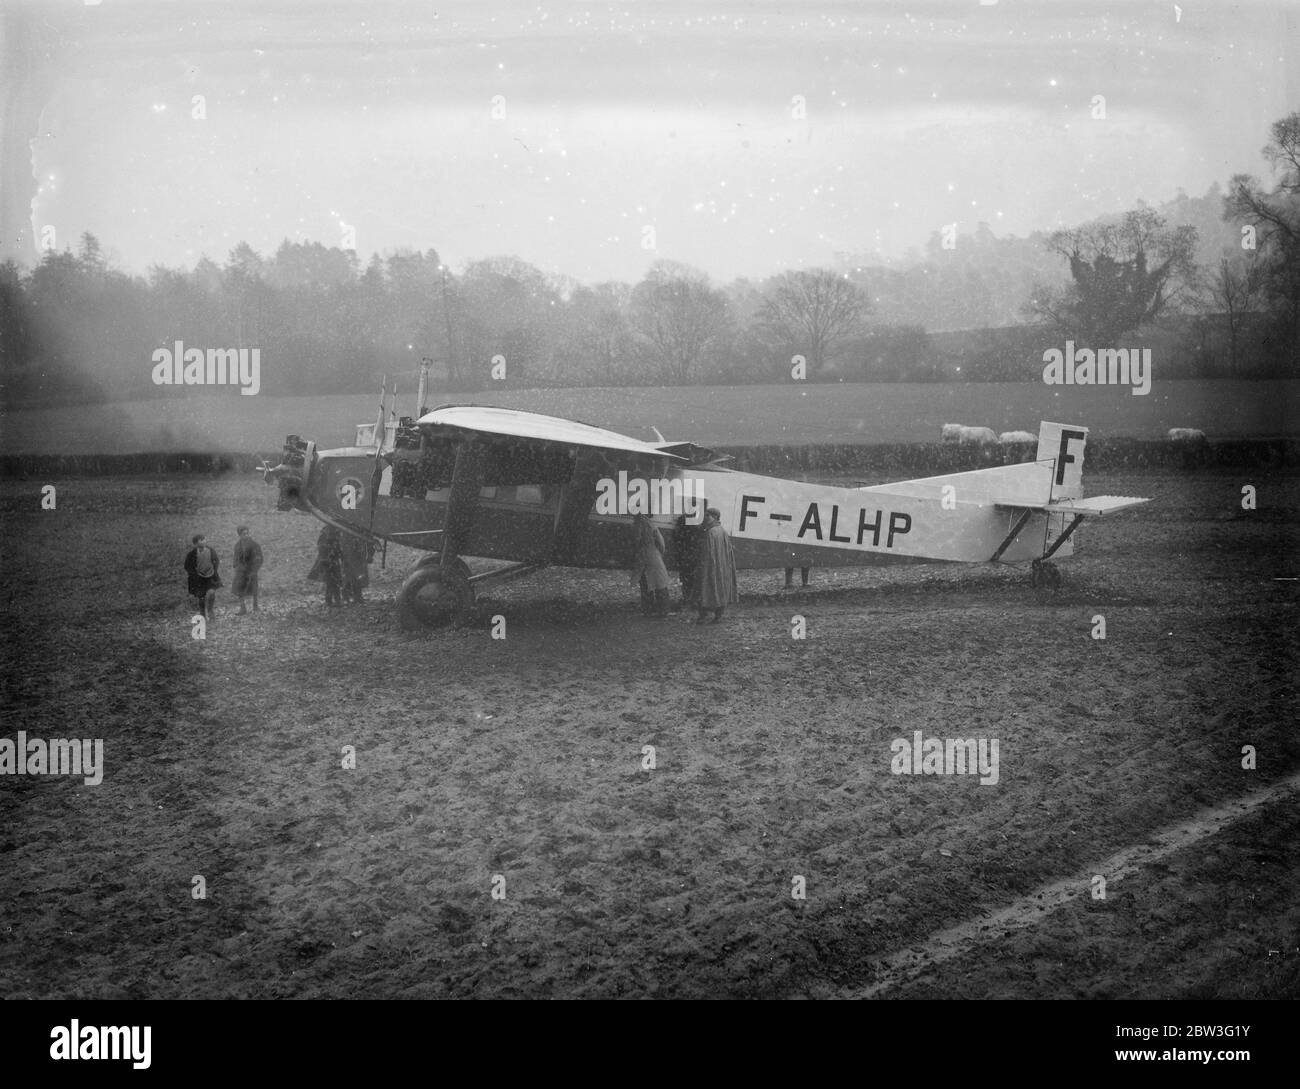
(1063, 446)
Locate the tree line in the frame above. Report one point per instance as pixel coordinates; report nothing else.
(1211, 283)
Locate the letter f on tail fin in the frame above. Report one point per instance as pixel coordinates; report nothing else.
(1063, 446)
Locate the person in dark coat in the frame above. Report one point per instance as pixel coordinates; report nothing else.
(684, 551)
(715, 569)
(328, 568)
(202, 575)
(248, 562)
(356, 555)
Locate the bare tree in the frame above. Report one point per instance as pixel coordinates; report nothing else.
(1235, 291)
(509, 309)
(679, 315)
(596, 332)
(813, 310)
(1274, 219)
(1124, 275)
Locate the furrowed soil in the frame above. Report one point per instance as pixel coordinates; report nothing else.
(516, 765)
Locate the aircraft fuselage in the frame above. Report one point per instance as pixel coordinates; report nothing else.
(773, 522)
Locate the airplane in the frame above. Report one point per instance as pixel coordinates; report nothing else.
(538, 491)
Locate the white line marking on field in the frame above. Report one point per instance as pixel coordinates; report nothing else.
(906, 965)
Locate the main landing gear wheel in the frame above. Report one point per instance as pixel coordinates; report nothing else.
(432, 559)
(432, 597)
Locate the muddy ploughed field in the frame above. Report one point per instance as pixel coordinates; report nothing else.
(480, 759)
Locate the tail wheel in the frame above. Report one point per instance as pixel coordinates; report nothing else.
(1046, 575)
(433, 597)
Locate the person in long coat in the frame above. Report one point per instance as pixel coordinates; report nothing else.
(328, 568)
(202, 566)
(248, 562)
(715, 570)
(356, 553)
(650, 568)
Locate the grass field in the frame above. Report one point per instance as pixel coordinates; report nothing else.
(522, 758)
(197, 420)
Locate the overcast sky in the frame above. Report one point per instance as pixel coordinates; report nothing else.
(675, 116)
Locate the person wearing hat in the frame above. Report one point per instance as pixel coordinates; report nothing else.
(203, 580)
(715, 569)
(248, 561)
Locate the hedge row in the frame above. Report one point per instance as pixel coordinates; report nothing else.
(61, 466)
(918, 459)
(931, 459)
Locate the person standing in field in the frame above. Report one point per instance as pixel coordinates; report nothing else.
(789, 577)
(328, 568)
(356, 556)
(649, 565)
(715, 569)
(202, 576)
(248, 562)
(685, 550)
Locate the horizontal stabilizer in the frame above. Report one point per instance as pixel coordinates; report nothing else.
(1098, 504)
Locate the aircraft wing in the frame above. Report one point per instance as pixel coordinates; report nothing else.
(1097, 504)
(516, 423)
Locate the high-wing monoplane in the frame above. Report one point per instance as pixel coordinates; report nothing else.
(537, 491)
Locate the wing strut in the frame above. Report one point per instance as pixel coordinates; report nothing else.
(576, 500)
(462, 502)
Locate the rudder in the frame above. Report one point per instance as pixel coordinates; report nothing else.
(1063, 445)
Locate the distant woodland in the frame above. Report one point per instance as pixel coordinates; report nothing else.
(1211, 284)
